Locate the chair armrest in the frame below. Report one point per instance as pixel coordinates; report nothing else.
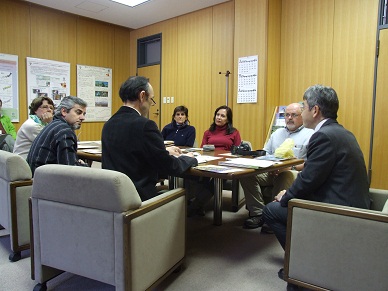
(154, 203)
(20, 191)
(331, 246)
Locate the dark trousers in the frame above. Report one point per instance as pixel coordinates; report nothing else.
(276, 217)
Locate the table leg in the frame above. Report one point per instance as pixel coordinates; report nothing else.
(217, 201)
(173, 182)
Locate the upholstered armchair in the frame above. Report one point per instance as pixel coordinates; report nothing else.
(332, 247)
(92, 222)
(15, 189)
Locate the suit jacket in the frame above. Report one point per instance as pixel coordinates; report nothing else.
(334, 171)
(133, 145)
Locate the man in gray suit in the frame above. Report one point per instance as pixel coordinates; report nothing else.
(334, 171)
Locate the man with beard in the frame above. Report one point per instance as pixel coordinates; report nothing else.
(57, 142)
(282, 179)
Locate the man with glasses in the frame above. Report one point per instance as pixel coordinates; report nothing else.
(279, 180)
(132, 144)
(41, 114)
(334, 170)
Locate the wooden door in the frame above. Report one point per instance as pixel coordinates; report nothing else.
(153, 74)
(380, 137)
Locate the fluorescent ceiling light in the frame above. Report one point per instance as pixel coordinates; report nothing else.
(131, 3)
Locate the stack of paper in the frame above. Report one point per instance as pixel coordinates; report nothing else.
(247, 163)
(216, 169)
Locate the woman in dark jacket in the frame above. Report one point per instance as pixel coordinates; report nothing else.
(179, 130)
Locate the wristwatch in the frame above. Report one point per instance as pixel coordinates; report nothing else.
(293, 168)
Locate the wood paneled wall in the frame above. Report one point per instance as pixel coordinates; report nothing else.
(29, 30)
(251, 38)
(331, 42)
(195, 48)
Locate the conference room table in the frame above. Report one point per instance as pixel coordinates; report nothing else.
(220, 155)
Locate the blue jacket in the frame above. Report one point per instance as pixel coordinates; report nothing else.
(182, 136)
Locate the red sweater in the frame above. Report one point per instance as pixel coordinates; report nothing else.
(220, 139)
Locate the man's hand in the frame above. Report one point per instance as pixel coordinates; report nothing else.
(174, 151)
(280, 195)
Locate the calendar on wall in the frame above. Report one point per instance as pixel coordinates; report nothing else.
(247, 79)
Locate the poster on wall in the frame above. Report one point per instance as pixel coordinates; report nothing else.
(94, 85)
(247, 79)
(47, 78)
(9, 92)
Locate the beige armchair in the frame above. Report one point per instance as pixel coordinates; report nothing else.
(15, 189)
(91, 222)
(332, 247)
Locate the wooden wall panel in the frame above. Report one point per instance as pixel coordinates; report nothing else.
(168, 29)
(380, 150)
(354, 45)
(15, 40)
(274, 57)
(53, 36)
(194, 82)
(306, 47)
(222, 54)
(95, 47)
(121, 64)
(251, 28)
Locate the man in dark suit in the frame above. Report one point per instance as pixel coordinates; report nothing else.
(334, 171)
(132, 144)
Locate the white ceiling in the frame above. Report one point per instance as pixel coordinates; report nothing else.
(142, 15)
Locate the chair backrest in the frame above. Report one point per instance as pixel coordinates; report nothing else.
(379, 198)
(86, 187)
(13, 167)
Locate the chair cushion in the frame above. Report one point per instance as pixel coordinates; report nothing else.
(13, 167)
(94, 188)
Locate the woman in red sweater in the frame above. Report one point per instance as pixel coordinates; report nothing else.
(221, 133)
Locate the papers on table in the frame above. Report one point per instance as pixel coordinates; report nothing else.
(229, 155)
(217, 169)
(247, 163)
(205, 159)
(92, 151)
(89, 144)
(270, 158)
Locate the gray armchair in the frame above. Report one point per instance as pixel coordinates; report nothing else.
(15, 189)
(91, 222)
(332, 247)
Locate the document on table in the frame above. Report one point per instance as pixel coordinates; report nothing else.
(89, 144)
(205, 159)
(247, 163)
(217, 169)
(92, 151)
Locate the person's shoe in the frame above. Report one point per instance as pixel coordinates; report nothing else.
(281, 273)
(293, 287)
(254, 222)
(266, 229)
(195, 212)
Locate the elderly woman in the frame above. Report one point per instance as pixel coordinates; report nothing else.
(41, 114)
(179, 130)
(221, 133)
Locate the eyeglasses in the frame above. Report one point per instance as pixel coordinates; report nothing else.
(47, 107)
(153, 103)
(293, 115)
